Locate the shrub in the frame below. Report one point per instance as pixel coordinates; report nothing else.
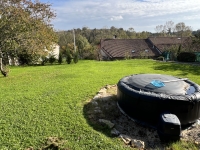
(68, 57)
(161, 58)
(60, 60)
(44, 60)
(75, 57)
(186, 57)
(52, 59)
(25, 59)
(127, 56)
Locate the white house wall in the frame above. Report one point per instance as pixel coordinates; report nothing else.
(55, 51)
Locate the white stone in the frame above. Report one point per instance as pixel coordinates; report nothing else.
(125, 138)
(108, 86)
(102, 91)
(96, 97)
(198, 122)
(137, 144)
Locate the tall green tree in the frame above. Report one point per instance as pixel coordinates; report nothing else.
(196, 41)
(82, 44)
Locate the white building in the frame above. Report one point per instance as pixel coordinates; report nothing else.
(55, 50)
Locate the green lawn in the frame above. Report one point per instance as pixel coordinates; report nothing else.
(38, 102)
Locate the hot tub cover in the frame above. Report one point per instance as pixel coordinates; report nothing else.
(142, 82)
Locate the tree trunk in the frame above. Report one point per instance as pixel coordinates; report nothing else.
(4, 72)
(1, 67)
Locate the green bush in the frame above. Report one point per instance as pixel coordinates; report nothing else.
(75, 57)
(52, 59)
(160, 58)
(25, 59)
(60, 60)
(44, 60)
(68, 57)
(186, 57)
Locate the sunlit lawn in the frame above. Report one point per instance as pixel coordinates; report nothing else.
(38, 102)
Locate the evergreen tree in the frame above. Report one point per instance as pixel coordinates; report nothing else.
(60, 59)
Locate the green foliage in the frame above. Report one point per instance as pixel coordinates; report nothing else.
(171, 53)
(68, 57)
(75, 59)
(186, 57)
(83, 45)
(25, 58)
(44, 60)
(196, 40)
(25, 26)
(127, 56)
(179, 49)
(182, 146)
(161, 58)
(60, 58)
(52, 59)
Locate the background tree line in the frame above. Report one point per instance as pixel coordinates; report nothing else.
(172, 29)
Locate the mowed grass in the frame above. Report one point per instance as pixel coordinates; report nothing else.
(38, 102)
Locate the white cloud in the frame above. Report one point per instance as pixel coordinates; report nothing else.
(99, 13)
(116, 18)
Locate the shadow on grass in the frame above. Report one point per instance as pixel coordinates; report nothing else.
(184, 68)
(105, 107)
(101, 108)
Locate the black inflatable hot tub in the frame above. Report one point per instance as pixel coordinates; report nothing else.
(145, 102)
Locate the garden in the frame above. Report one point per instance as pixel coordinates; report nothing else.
(43, 107)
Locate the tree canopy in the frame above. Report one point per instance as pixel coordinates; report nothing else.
(25, 27)
(171, 29)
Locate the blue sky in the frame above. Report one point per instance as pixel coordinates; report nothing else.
(142, 15)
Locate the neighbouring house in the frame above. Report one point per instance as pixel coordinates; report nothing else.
(151, 47)
(55, 50)
(163, 43)
(168, 45)
(111, 49)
